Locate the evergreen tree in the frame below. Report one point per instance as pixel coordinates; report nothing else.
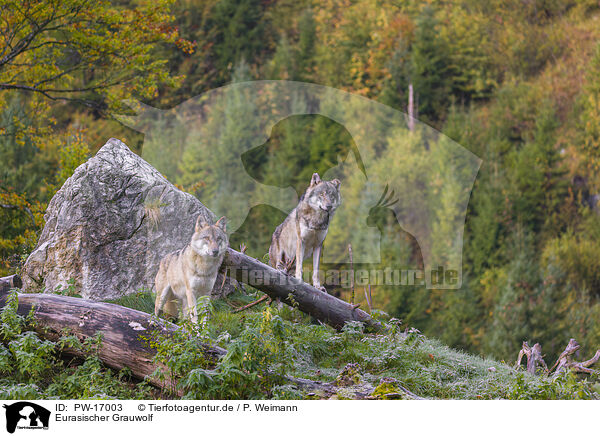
(515, 302)
(538, 177)
(431, 68)
(241, 34)
(589, 133)
(295, 60)
(394, 91)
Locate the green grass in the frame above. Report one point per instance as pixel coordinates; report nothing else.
(143, 301)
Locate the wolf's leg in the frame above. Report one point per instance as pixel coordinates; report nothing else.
(284, 264)
(299, 252)
(299, 259)
(316, 259)
(280, 261)
(184, 308)
(161, 299)
(171, 306)
(157, 302)
(191, 311)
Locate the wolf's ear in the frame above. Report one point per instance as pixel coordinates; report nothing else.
(222, 223)
(315, 180)
(201, 223)
(336, 183)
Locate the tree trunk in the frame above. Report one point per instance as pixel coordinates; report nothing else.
(534, 357)
(411, 111)
(294, 292)
(121, 329)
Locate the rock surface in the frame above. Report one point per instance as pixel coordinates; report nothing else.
(109, 226)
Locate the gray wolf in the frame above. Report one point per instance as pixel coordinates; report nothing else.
(303, 231)
(187, 274)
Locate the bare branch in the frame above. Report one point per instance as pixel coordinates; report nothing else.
(45, 93)
(254, 303)
(23, 208)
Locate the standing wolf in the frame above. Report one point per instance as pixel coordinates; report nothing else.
(191, 272)
(303, 231)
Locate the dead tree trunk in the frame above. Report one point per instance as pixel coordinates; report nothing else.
(121, 328)
(411, 110)
(296, 293)
(565, 360)
(534, 357)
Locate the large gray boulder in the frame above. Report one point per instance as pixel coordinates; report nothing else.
(109, 226)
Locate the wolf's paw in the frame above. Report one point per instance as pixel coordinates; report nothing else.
(320, 287)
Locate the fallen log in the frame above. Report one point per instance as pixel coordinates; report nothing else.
(121, 329)
(296, 293)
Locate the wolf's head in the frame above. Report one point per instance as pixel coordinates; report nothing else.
(210, 240)
(323, 195)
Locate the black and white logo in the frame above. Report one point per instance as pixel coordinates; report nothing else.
(26, 415)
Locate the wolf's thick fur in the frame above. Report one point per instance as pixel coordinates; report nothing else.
(187, 274)
(303, 231)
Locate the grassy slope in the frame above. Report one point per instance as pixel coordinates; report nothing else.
(424, 366)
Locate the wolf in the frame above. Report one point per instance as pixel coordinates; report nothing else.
(187, 274)
(303, 231)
